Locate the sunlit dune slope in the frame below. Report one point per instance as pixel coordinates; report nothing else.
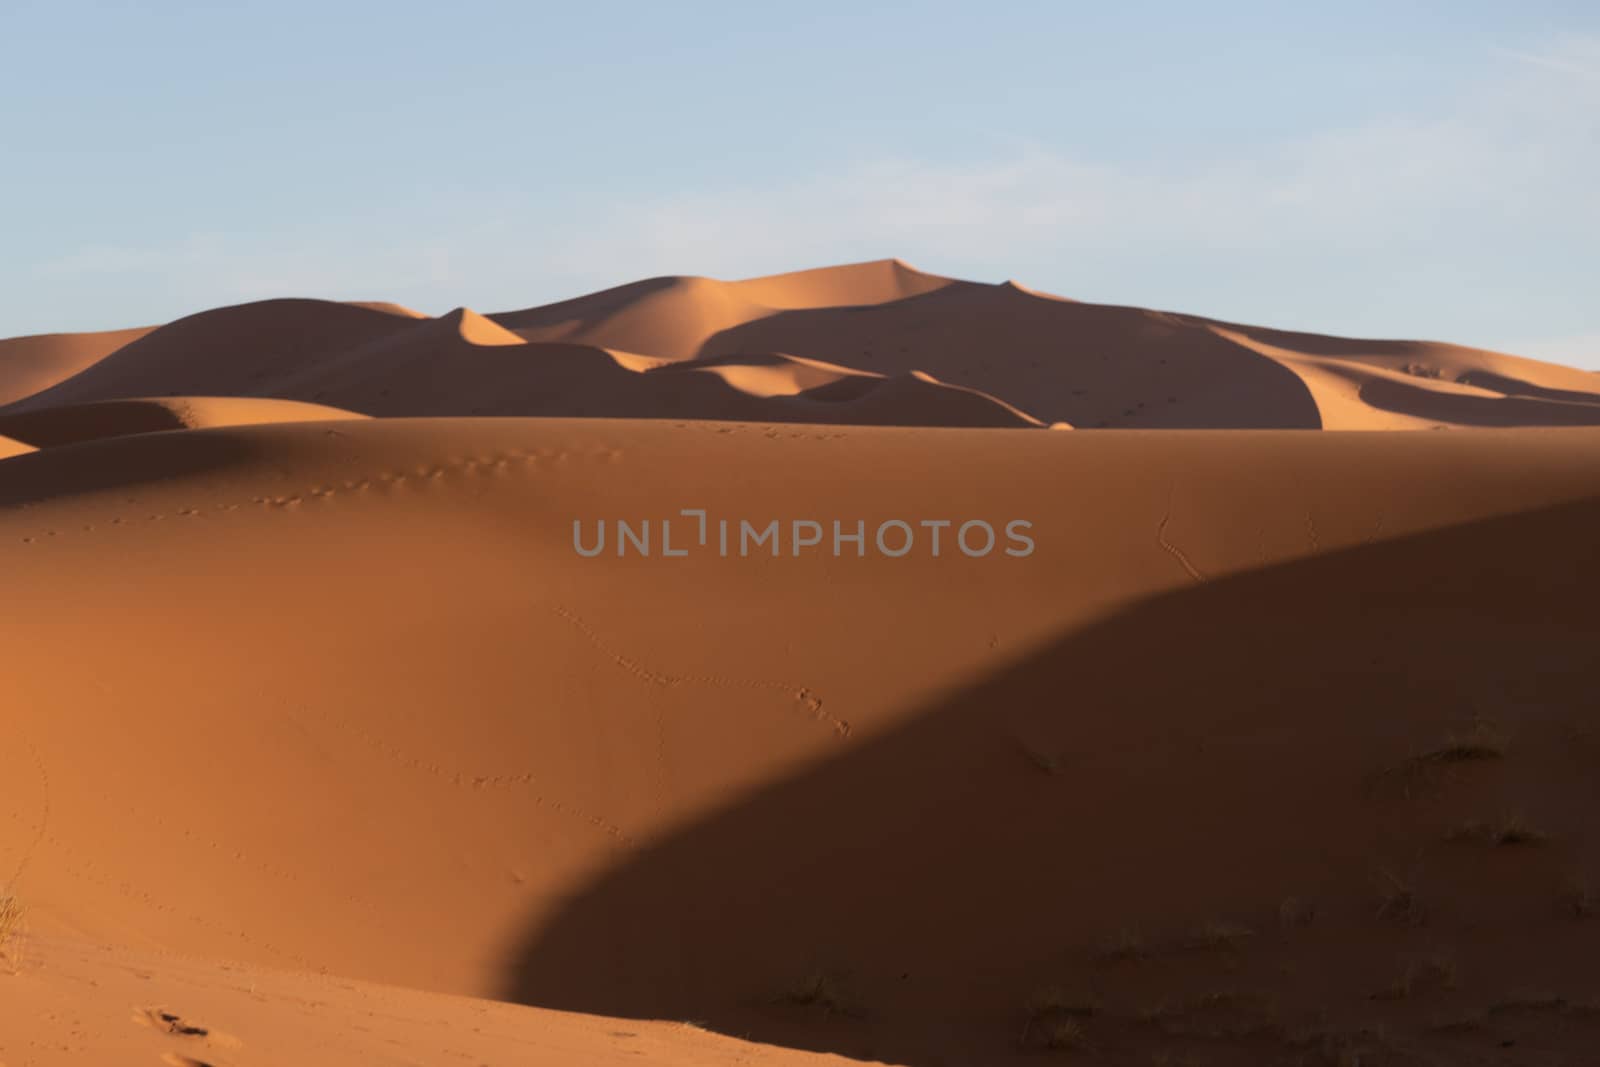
(947, 352)
(11, 447)
(71, 1002)
(31, 364)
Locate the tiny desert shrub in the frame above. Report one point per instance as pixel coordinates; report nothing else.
(1480, 741)
(1125, 945)
(1455, 1024)
(10, 920)
(1054, 1020)
(1397, 900)
(1507, 830)
(1344, 1047)
(1055, 1000)
(1578, 900)
(1294, 912)
(1218, 934)
(1044, 762)
(819, 990)
(1529, 1000)
(1420, 976)
(1064, 1035)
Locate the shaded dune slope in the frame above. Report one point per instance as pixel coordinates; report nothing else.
(462, 363)
(906, 348)
(70, 423)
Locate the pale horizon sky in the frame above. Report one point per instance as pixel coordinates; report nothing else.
(1418, 170)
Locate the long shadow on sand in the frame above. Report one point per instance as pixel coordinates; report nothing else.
(109, 463)
(1196, 760)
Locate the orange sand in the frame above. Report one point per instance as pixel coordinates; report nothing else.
(1279, 747)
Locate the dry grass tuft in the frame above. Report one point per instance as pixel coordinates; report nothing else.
(1507, 830)
(1126, 945)
(1055, 1021)
(1579, 901)
(1223, 1013)
(1044, 762)
(1529, 1001)
(1056, 1000)
(1218, 934)
(1345, 1047)
(1420, 975)
(1481, 740)
(1294, 913)
(1584, 1008)
(1064, 1035)
(10, 920)
(11, 916)
(1397, 899)
(822, 991)
(1456, 1024)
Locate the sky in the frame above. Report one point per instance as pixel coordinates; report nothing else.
(1415, 170)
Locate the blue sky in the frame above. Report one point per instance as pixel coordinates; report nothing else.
(1383, 169)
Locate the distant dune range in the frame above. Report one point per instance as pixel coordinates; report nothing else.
(323, 745)
(868, 344)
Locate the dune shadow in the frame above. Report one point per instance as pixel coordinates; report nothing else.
(151, 456)
(1199, 754)
(1527, 406)
(1088, 365)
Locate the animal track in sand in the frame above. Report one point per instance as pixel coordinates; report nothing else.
(1173, 550)
(463, 779)
(41, 832)
(803, 695)
(472, 465)
(807, 699)
(88, 870)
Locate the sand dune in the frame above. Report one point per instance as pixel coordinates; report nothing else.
(673, 317)
(101, 1004)
(463, 363)
(225, 352)
(70, 423)
(335, 733)
(12, 447)
(388, 308)
(948, 781)
(31, 364)
(945, 352)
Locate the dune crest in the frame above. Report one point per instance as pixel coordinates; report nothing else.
(475, 329)
(1037, 359)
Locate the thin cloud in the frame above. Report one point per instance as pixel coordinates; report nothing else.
(1575, 55)
(1502, 179)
